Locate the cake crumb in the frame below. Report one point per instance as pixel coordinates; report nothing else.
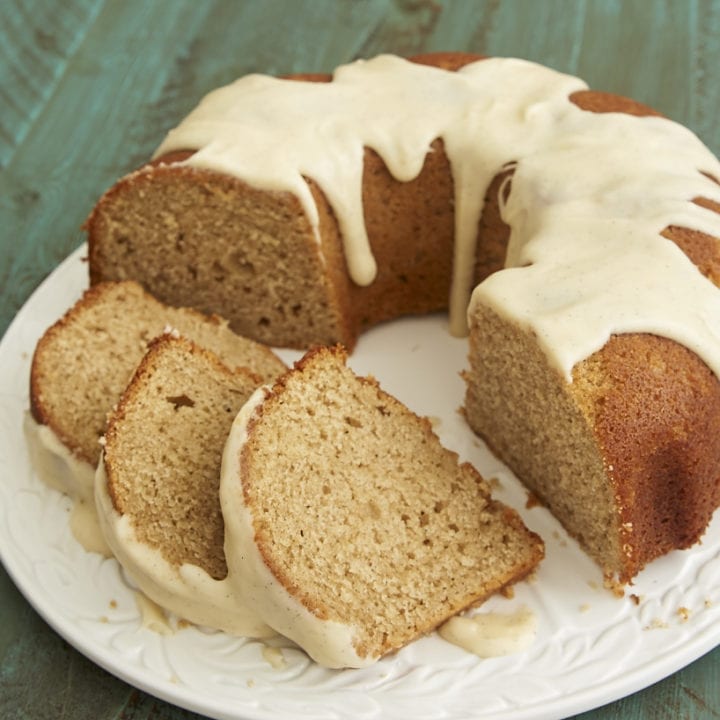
(532, 500)
(113, 604)
(495, 483)
(274, 657)
(708, 603)
(508, 592)
(250, 682)
(612, 584)
(656, 624)
(172, 331)
(684, 614)
(585, 607)
(635, 598)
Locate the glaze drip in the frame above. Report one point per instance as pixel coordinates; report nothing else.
(590, 194)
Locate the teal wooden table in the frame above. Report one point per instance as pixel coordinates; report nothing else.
(87, 89)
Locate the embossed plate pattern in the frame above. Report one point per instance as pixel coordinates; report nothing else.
(591, 647)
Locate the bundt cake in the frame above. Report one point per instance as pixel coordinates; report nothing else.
(157, 483)
(306, 211)
(82, 364)
(349, 528)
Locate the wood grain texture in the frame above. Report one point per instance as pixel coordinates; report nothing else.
(87, 90)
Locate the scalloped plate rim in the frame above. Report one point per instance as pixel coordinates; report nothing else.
(636, 678)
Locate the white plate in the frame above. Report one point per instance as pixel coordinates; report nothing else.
(591, 647)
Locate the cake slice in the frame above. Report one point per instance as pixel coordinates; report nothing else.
(82, 364)
(157, 484)
(349, 528)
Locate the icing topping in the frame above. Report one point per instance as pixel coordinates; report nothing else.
(187, 591)
(491, 634)
(54, 462)
(589, 197)
(58, 468)
(586, 258)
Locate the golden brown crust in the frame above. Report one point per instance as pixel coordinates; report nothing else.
(653, 417)
(39, 373)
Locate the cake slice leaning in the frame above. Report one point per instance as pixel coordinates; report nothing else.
(349, 528)
(83, 362)
(156, 486)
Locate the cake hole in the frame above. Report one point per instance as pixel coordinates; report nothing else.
(353, 422)
(218, 272)
(179, 401)
(125, 240)
(242, 264)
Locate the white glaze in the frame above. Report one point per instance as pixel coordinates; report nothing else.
(491, 634)
(187, 591)
(152, 616)
(54, 463)
(57, 467)
(590, 194)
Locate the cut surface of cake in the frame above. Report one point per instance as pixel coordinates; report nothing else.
(586, 223)
(157, 484)
(82, 364)
(349, 528)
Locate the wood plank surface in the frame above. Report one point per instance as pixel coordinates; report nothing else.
(87, 90)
